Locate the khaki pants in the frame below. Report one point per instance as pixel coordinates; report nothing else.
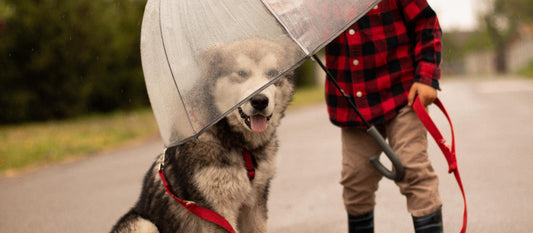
(408, 138)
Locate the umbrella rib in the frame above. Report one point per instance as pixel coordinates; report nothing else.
(315, 50)
(285, 28)
(172, 72)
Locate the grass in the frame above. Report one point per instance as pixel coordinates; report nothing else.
(35, 144)
(307, 95)
(527, 71)
(32, 145)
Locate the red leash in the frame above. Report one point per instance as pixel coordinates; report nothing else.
(197, 210)
(449, 152)
(202, 212)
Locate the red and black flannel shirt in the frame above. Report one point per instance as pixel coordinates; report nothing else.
(379, 57)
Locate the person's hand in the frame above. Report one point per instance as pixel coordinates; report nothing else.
(427, 94)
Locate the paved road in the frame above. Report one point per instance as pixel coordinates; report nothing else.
(493, 122)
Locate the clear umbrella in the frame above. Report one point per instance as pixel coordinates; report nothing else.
(177, 36)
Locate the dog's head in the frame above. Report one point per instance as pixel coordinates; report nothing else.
(234, 71)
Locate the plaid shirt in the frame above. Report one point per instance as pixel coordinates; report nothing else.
(379, 57)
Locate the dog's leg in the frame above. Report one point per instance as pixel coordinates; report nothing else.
(253, 219)
(192, 223)
(225, 189)
(132, 223)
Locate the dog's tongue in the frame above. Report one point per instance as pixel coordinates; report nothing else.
(258, 123)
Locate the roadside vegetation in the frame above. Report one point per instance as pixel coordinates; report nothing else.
(527, 71)
(30, 145)
(36, 144)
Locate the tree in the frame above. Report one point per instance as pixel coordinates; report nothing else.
(503, 19)
(64, 58)
(124, 87)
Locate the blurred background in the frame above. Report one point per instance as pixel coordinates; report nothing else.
(61, 61)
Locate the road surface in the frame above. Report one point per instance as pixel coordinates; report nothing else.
(493, 120)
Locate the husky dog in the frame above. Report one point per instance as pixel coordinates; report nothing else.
(211, 171)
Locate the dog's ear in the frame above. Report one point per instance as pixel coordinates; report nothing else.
(212, 59)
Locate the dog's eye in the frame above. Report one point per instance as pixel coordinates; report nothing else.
(273, 73)
(279, 82)
(242, 73)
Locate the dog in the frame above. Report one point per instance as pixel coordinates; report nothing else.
(211, 171)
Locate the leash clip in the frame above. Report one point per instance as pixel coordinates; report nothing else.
(162, 160)
(189, 203)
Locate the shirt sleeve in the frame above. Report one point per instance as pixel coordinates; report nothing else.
(425, 30)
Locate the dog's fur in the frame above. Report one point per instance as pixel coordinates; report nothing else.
(210, 171)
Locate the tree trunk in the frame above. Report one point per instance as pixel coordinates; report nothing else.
(500, 60)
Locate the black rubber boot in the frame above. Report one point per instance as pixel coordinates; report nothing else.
(361, 224)
(431, 223)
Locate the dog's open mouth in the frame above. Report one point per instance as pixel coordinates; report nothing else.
(257, 123)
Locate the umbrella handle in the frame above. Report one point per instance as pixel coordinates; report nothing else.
(398, 172)
(372, 131)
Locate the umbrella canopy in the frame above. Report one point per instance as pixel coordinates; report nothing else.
(177, 36)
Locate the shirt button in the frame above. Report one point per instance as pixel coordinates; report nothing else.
(351, 32)
(355, 62)
(359, 94)
(376, 7)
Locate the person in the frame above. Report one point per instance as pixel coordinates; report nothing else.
(383, 61)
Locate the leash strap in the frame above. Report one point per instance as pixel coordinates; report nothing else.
(449, 152)
(197, 210)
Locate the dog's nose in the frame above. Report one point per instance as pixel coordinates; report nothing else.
(259, 102)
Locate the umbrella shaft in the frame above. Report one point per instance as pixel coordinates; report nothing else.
(348, 99)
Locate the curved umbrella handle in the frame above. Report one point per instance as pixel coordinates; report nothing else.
(398, 167)
(372, 131)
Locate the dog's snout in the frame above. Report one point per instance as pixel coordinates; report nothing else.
(259, 102)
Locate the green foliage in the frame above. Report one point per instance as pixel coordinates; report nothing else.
(35, 144)
(305, 75)
(478, 41)
(451, 49)
(527, 71)
(305, 96)
(503, 19)
(65, 58)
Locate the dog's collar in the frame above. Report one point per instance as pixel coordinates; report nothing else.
(249, 162)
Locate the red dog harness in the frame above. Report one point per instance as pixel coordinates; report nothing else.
(202, 212)
(449, 152)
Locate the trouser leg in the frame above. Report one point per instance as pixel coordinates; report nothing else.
(408, 138)
(358, 177)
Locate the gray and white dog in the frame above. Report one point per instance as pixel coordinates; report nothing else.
(211, 171)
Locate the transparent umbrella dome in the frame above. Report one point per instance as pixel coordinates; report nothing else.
(176, 34)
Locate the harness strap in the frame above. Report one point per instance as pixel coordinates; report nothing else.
(197, 210)
(449, 152)
(249, 164)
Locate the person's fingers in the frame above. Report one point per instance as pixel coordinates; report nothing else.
(412, 95)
